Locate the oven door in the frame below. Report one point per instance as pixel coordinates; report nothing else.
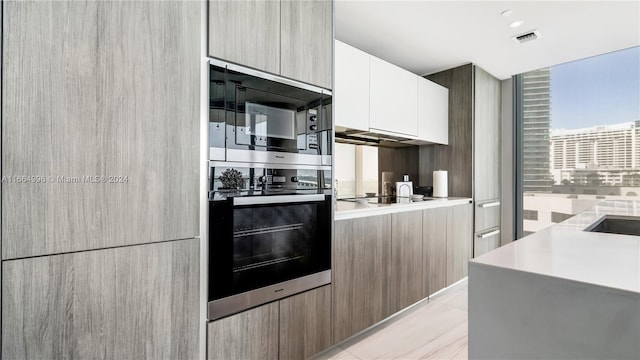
(264, 248)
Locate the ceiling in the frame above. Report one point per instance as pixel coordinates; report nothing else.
(429, 36)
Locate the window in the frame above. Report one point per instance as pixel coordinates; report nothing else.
(579, 136)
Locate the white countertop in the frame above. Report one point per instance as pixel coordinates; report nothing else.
(566, 251)
(351, 210)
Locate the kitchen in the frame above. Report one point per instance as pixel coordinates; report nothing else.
(225, 119)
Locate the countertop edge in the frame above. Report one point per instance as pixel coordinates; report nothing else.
(360, 211)
(561, 278)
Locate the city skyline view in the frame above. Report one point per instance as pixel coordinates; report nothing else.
(580, 136)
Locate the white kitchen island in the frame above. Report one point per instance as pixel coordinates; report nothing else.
(561, 293)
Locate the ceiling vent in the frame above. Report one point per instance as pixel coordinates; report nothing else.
(526, 37)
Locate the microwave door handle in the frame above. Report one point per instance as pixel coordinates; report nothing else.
(276, 199)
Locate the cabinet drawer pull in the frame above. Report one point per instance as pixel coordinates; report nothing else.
(489, 234)
(490, 204)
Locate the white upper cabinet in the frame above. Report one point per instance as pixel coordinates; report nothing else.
(375, 96)
(433, 112)
(393, 99)
(351, 92)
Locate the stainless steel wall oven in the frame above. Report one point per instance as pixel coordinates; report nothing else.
(269, 237)
(270, 189)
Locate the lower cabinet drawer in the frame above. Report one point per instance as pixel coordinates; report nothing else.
(485, 241)
(487, 214)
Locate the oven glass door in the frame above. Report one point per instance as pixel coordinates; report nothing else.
(265, 240)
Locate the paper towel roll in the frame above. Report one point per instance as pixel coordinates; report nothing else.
(440, 183)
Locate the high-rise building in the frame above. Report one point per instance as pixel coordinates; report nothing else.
(536, 107)
(612, 152)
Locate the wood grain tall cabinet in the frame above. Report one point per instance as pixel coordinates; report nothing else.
(100, 138)
(487, 162)
(473, 155)
(292, 39)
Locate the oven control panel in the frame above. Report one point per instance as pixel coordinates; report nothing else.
(312, 137)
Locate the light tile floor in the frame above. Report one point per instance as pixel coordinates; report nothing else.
(436, 329)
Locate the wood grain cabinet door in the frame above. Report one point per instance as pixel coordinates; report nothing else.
(307, 41)
(100, 112)
(406, 262)
(134, 302)
(459, 241)
(305, 324)
(434, 230)
(249, 335)
(246, 33)
(361, 274)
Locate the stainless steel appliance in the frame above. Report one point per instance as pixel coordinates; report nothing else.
(263, 118)
(269, 234)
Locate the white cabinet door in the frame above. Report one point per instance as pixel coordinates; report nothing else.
(433, 112)
(351, 89)
(394, 99)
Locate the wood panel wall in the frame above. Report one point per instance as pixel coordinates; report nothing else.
(457, 157)
(399, 161)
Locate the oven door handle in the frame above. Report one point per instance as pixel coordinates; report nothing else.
(276, 199)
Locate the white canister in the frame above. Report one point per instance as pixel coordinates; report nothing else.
(440, 185)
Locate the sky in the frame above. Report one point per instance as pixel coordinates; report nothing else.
(599, 90)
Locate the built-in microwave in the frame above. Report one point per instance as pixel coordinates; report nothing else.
(262, 118)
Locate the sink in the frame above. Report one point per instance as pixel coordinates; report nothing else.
(615, 224)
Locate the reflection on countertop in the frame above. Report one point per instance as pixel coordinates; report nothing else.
(349, 208)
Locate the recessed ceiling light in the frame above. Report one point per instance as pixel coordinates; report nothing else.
(507, 13)
(516, 23)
